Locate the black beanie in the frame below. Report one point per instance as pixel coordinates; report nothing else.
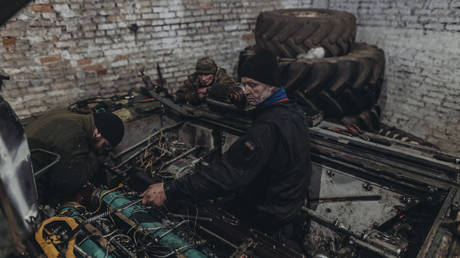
(110, 126)
(262, 67)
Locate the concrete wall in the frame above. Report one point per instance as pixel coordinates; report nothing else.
(58, 51)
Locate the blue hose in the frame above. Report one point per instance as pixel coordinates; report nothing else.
(162, 234)
(89, 246)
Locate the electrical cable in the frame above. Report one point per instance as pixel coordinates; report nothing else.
(105, 193)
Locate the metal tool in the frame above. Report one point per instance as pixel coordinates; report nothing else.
(348, 198)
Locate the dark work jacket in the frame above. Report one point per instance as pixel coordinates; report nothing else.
(269, 168)
(69, 135)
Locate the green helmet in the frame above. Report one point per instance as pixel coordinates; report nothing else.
(206, 65)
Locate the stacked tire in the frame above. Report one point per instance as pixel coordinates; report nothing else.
(290, 32)
(344, 83)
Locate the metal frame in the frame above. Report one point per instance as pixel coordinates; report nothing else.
(52, 163)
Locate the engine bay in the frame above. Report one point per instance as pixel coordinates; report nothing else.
(350, 214)
(365, 199)
(113, 223)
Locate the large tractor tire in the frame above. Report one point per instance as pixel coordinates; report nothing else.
(290, 32)
(338, 86)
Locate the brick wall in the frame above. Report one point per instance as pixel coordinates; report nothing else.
(421, 40)
(58, 51)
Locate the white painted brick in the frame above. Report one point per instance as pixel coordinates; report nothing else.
(107, 26)
(420, 40)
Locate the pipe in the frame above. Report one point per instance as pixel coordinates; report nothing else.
(43, 170)
(164, 238)
(146, 139)
(89, 247)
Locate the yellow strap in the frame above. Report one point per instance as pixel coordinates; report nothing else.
(47, 246)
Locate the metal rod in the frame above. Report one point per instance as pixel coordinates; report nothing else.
(169, 103)
(136, 154)
(81, 252)
(42, 171)
(221, 104)
(127, 205)
(174, 251)
(348, 198)
(182, 155)
(335, 225)
(107, 213)
(192, 164)
(372, 248)
(170, 230)
(182, 216)
(146, 139)
(405, 155)
(219, 237)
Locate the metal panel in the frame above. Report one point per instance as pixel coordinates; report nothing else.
(16, 167)
(9, 8)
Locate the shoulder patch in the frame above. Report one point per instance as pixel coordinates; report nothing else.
(250, 145)
(242, 152)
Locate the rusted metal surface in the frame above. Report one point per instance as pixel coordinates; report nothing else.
(437, 223)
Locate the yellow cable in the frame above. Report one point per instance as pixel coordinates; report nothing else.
(102, 196)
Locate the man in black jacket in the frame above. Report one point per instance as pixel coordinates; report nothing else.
(269, 167)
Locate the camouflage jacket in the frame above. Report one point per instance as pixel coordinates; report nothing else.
(218, 90)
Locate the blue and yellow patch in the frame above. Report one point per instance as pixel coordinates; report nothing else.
(250, 145)
(242, 152)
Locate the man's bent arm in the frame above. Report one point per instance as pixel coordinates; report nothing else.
(238, 167)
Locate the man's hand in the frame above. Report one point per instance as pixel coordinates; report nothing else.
(202, 93)
(154, 194)
(237, 97)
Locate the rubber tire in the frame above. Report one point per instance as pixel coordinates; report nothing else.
(339, 86)
(290, 32)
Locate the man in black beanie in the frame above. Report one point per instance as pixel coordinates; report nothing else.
(79, 140)
(268, 168)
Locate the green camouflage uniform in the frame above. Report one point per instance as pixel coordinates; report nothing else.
(69, 135)
(219, 89)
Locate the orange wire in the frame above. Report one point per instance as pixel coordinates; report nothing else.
(102, 196)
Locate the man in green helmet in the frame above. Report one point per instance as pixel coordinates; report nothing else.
(208, 81)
